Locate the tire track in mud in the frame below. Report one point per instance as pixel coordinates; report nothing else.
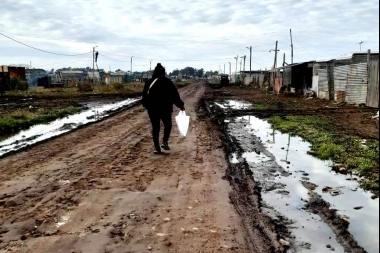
(263, 234)
(100, 189)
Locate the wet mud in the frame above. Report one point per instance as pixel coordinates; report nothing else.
(246, 194)
(305, 221)
(93, 112)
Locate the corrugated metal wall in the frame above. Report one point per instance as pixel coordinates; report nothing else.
(340, 77)
(373, 84)
(287, 76)
(323, 86)
(356, 89)
(362, 57)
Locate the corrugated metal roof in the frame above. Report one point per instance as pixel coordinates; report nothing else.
(71, 72)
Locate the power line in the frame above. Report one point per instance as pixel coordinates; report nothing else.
(102, 54)
(42, 49)
(313, 56)
(148, 44)
(64, 62)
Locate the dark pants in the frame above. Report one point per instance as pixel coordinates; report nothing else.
(155, 118)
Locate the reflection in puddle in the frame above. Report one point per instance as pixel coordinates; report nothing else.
(64, 219)
(233, 104)
(253, 157)
(42, 132)
(283, 179)
(64, 182)
(234, 159)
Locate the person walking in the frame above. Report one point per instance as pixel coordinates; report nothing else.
(158, 97)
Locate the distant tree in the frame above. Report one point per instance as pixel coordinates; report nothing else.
(200, 72)
(188, 71)
(174, 73)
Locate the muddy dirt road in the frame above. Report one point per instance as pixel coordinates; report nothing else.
(101, 189)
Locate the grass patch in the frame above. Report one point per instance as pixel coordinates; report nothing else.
(134, 88)
(274, 105)
(259, 107)
(327, 143)
(270, 106)
(125, 89)
(117, 88)
(22, 119)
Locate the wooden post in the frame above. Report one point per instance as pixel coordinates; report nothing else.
(368, 56)
(330, 77)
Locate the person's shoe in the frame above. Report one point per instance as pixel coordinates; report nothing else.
(157, 151)
(165, 146)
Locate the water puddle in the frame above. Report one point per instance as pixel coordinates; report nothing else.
(63, 220)
(234, 159)
(233, 104)
(64, 182)
(284, 169)
(37, 133)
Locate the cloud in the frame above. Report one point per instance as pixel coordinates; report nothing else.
(194, 33)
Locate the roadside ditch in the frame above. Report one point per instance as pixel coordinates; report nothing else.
(278, 187)
(93, 112)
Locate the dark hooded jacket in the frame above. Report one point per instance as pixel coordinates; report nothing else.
(161, 96)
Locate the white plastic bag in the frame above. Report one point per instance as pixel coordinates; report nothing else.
(182, 123)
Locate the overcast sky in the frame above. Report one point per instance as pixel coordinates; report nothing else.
(202, 34)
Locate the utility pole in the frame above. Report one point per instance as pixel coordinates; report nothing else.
(275, 60)
(150, 68)
(224, 69)
(131, 64)
(237, 57)
(283, 61)
(360, 43)
(291, 46)
(275, 55)
(230, 69)
(93, 64)
(243, 75)
(250, 60)
(275, 64)
(244, 64)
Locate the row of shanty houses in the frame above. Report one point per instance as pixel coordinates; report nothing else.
(353, 80)
(67, 78)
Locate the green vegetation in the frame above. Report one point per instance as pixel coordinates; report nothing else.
(349, 152)
(264, 106)
(259, 107)
(86, 89)
(24, 118)
(284, 105)
(18, 84)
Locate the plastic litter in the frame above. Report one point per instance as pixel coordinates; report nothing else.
(182, 121)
